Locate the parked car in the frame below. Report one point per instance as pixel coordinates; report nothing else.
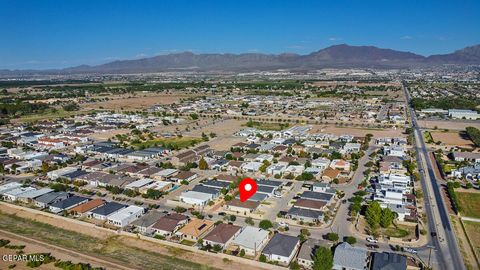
(372, 240)
(410, 250)
(222, 214)
(283, 224)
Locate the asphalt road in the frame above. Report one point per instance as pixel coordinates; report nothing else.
(445, 249)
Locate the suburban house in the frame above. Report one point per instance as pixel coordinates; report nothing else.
(235, 205)
(389, 260)
(195, 229)
(348, 257)
(222, 235)
(106, 210)
(67, 204)
(184, 176)
(84, 208)
(145, 223)
(281, 248)
(252, 240)
(306, 254)
(195, 198)
(306, 215)
(50, 198)
(125, 216)
(169, 224)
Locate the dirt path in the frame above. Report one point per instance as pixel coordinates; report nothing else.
(35, 246)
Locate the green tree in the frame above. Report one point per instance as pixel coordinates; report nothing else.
(350, 239)
(265, 224)
(373, 214)
(323, 259)
(332, 237)
(242, 252)
(387, 218)
(249, 221)
(202, 164)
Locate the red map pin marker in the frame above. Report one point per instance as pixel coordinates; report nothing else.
(247, 188)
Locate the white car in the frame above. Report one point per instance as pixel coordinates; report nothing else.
(410, 250)
(372, 240)
(282, 224)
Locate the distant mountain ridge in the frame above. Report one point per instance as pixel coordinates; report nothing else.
(337, 56)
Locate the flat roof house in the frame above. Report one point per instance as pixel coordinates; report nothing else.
(145, 223)
(106, 210)
(195, 229)
(45, 200)
(195, 198)
(348, 257)
(125, 216)
(222, 235)
(14, 194)
(67, 204)
(170, 223)
(252, 240)
(31, 195)
(281, 248)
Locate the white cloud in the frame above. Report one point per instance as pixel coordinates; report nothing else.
(334, 38)
(406, 37)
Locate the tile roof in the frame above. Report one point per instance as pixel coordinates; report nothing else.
(222, 233)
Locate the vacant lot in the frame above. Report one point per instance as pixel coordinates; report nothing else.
(113, 247)
(469, 203)
(130, 102)
(452, 138)
(449, 124)
(173, 143)
(473, 232)
(360, 132)
(47, 115)
(266, 126)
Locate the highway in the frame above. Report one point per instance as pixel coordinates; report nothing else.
(445, 249)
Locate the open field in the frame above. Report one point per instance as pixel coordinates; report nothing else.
(113, 247)
(47, 115)
(452, 138)
(130, 102)
(448, 124)
(360, 132)
(34, 246)
(473, 232)
(469, 203)
(132, 252)
(176, 143)
(219, 127)
(266, 126)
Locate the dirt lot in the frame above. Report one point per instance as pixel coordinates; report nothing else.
(473, 232)
(93, 241)
(219, 127)
(452, 138)
(465, 249)
(32, 246)
(449, 124)
(141, 101)
(357, 131)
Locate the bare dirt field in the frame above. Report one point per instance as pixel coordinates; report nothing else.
(219, 127)
(224, 143)
(108, 134)
(117, 248)
(33, 246)
(449, 124)
(360, 132)
(452, 138)
(129, 102)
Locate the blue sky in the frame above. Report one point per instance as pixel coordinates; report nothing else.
(54, 34)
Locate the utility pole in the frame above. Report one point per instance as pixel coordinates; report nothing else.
(429, 255)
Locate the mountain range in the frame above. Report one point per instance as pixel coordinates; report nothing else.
(337, 56)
